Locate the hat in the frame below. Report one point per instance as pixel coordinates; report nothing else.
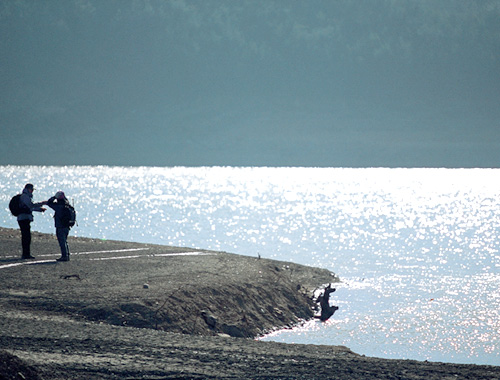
(60, 195)
(29, 186)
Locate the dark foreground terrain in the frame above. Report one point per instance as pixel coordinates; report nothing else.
(122, 310)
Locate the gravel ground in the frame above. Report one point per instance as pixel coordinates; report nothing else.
(122, 310)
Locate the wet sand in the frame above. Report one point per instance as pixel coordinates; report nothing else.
(121, 310)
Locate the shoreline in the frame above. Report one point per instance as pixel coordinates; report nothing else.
(132, 310)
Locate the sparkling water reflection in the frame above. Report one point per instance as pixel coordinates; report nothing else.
(417, 249)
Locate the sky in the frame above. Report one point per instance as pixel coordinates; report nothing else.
(317, 83)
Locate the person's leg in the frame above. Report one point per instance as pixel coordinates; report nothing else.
(25, 226)
(61, 238)
(66, 233)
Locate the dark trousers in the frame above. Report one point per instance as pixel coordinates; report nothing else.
(25, 226)
(62, 238)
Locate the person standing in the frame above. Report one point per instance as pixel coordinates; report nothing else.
(58, 203)
(25, 218)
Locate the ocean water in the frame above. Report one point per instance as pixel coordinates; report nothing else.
(417, 250)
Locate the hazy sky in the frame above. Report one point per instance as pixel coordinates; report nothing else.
(258, 82)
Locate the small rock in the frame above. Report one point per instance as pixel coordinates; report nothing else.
(233, 331)
(210, 320)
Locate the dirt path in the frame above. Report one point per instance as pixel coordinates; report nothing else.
(123, 310)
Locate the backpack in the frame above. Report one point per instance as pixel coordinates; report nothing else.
(15, 206)
(68, 216)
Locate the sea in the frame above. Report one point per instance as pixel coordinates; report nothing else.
(417, 250)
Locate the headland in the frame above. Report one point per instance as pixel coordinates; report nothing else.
(123, 310)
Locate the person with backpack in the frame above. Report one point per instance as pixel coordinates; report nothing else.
(25, 217)
(63, 219)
